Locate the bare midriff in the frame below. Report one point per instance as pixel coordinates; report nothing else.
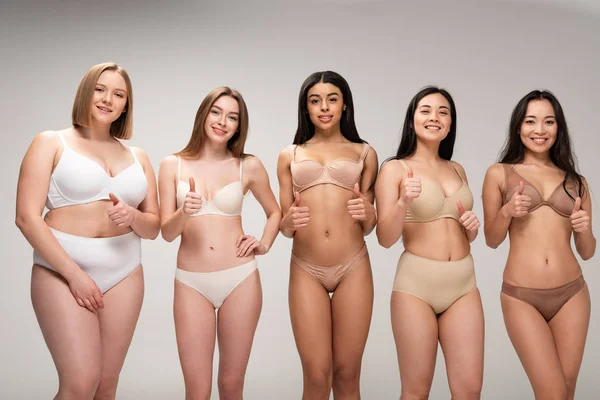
(442, 240)
(87, 220)
(208, 243)
(540, 253)
(332, 235)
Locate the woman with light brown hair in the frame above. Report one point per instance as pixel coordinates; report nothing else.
(202, 189)
(87, 283)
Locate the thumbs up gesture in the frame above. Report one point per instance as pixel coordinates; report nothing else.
(580, 219)
(193, 201)
(120, 213)
(296, 217)
(360, 208)
(410, 188)
(467, 219)
(519, 203)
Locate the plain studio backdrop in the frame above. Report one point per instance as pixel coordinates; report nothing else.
(488, 54)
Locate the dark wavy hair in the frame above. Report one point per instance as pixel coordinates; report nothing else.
(561, 153)
(408, 141)
(306, 129)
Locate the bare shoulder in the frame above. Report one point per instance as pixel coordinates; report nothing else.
(252, 164)
(140, 154)
(168, 163)
(47, 138)
(495, 172)
(393, 168)
(285, 155)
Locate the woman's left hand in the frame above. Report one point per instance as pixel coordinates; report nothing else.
(120, 213)
(360, 208)
(247, 244)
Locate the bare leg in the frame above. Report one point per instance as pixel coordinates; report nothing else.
(532, 339)
(461, 330)
(310, 312)
(71, 333)
(351, 310)
(569, 328)
(195, 327)
(236, 323)
(416, 335)
(122, 305)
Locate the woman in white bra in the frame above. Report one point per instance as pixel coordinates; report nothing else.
(87, 283)
(201, 194)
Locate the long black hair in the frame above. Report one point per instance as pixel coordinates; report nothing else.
(306, 129)
(561, 153)
(408, 141)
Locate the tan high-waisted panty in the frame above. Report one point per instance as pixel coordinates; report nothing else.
(548, 302)
(438, 283)
(330, 277)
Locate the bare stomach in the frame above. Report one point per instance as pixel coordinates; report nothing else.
(332, 235)
(87, 220)
(442, 240)
(208, 243)
(540, 251)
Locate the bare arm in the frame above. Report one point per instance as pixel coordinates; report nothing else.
(172, 219)
(391, 207)
(258, 184)
(581, 219)
(495, 218)
(467, 219)
(146, 221)
(367, 192)
(32, 190)
(294, 216)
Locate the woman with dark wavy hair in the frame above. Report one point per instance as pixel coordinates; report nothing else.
(424, 197)
(326, 183)
(545, 300)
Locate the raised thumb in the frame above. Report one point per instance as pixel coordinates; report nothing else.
(113, 198)
(461, 209)
(297, 199)
(521, 187)
(577, 206)
(192, 185)
(356, 191)
(409, 173)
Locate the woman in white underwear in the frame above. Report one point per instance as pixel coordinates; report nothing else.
(87, 283)
(201, 193)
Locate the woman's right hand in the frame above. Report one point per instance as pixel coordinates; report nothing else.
(86, 292)
(193, 201)
(519, 203)
(410, 188)
(297, 217)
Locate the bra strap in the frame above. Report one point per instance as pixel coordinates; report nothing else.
(404, 165)
(178, 168)
(133, 153)
(365, 151)
(62, 140)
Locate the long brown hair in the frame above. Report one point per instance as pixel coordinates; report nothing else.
(238, 140)
(81, 115)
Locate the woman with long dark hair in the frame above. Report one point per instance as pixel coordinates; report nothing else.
(202, 191)
(326, 183)
(536, 195)
(423, 196)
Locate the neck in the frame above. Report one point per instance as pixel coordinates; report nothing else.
(99, 132)
(538, 159)
(214, 152)
(427, 151)
(328, 135)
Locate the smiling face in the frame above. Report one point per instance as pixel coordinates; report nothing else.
(222, 121)
(109, 98)
(539, 128)
(325, 105)
(432, 120)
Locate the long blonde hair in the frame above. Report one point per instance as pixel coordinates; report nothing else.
(81, 115)
(238, 140)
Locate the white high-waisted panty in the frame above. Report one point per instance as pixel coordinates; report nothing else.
(216, 286)
(106, 260)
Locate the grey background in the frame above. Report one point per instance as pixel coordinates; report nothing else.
(487, 54)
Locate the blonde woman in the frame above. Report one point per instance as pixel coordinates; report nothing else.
(202, 189)
(87, 283)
